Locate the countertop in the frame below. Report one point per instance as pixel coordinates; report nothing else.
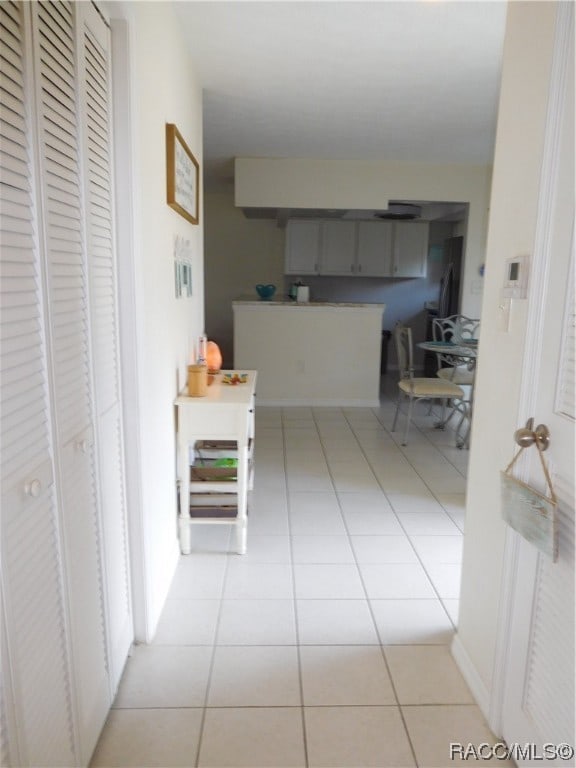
(286, 301)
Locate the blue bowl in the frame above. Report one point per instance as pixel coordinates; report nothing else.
(265, 291)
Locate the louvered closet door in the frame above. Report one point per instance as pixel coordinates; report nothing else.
(94, 43)
(69, 348)
(36, 675)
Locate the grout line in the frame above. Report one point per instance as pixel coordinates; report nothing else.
(213, 655)
(295, 601)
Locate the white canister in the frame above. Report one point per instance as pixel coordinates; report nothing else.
(303, 293)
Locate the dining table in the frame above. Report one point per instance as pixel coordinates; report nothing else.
(463, 353)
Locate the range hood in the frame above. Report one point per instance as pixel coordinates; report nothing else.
(400, 211)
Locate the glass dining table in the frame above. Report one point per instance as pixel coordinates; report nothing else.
(462, 354)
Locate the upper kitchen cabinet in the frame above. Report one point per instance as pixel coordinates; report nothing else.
(375, 252)
(410, 248)
(338, 248)
(302, 247)
(356, 248)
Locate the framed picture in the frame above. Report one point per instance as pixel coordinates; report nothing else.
(182, 175)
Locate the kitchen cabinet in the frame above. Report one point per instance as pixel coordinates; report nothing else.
(302, 247)
(410, 248)
(338, 248)
(375, 249)
(358, 249)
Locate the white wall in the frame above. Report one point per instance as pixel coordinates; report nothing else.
(300, 183)
(162, 89)
(240, 253)
(519, 144)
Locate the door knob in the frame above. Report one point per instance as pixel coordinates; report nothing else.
(527, 436)
(33, 488)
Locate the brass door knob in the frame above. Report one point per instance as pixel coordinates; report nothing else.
(527, 436)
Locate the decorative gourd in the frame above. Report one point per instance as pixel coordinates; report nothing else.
(213, 357)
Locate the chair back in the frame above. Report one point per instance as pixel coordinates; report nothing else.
(456, 328)
(404, 352)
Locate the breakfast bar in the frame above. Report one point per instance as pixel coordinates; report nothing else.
(310, 353)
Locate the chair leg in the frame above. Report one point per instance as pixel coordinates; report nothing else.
(408, 420)
(463, 440)
(399, 398)
(443, 417)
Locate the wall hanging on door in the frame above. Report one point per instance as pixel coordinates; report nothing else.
(530, 513)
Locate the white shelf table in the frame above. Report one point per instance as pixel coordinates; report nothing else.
(226, 413)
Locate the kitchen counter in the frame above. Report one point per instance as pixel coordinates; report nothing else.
(310, 353)
(286, 301)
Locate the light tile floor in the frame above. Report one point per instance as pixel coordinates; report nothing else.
(327, 644)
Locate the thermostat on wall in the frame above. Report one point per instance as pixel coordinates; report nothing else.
(516, 279)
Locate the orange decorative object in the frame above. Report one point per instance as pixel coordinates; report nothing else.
(213, 357)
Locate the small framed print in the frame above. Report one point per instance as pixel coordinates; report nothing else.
(182, 176)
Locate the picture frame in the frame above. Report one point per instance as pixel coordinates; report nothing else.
(182, 176)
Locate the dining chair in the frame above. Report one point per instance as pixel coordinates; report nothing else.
(462, 330)
(458, 329)
(417, 388)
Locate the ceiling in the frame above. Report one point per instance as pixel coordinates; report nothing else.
(394, 81)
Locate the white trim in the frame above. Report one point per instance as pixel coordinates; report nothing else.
(471, 676)
(533, 339)
(129, 313)
(501, 654)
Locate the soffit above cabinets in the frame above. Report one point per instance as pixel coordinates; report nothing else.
(415, 210)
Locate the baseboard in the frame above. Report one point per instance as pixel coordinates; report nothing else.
(470, 674)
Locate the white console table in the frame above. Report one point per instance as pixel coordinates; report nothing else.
(226, 413)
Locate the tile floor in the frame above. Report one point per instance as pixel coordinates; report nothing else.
(327, 644)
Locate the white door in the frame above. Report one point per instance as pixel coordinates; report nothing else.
(36, 674)
(68, 321)
(94, 83)
(538, 700)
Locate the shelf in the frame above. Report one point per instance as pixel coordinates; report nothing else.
(224, 513)
(205, 473)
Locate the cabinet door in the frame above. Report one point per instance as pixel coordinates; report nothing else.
(410, 249)
(375, 255)
(338, 248)
(302, 247)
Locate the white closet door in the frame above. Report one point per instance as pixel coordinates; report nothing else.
(68, 319)
(94, 44)
(36, 674)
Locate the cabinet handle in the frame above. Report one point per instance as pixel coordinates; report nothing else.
(33, 488)
(359, 267)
